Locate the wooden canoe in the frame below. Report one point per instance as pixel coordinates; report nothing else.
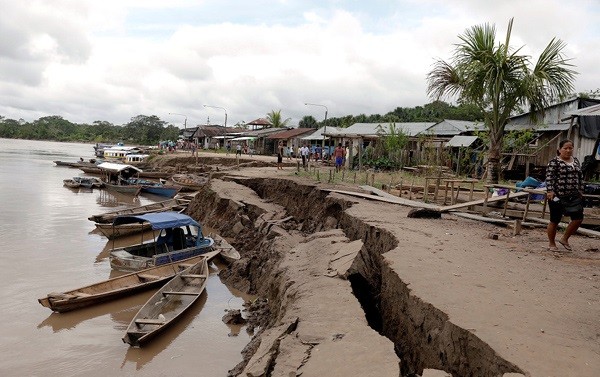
(191, 182)
(166, 205)
(168, 303)
(227, 252)
(119, 286)
(115, 231)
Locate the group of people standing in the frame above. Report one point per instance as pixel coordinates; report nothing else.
(306, 153)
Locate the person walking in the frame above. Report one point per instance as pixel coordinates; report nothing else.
(228, 147)
(238, 150)
(564, 184)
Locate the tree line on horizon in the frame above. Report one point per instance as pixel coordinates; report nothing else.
(149, 130)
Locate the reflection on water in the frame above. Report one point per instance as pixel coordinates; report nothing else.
(111, 199)
(47, 247)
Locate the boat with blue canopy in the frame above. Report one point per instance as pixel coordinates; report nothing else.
(175, 236)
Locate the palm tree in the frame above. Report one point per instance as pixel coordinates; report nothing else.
(274, 117)
(498, 80)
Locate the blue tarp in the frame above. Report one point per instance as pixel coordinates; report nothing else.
(159, 220)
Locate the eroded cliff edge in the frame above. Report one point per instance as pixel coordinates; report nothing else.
(337, 305)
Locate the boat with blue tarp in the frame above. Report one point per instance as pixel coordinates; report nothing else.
(175, 236)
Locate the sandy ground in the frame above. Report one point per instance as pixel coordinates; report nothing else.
(536, 309)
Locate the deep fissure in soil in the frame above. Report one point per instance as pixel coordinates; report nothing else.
(423, 336)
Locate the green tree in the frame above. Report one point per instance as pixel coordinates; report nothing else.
(497, 79)
(308, 121)
(276, 120)
(144, 129)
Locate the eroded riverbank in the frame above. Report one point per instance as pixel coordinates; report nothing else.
(356, 288)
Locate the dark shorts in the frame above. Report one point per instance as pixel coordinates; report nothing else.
(339, 161)
(557, 211)
(279, 158)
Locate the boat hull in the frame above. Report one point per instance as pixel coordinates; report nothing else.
(124, 189)
(115, 231)
(166, 205)
(165, 191)
(167, 304)
(122, 259)
(115, 288)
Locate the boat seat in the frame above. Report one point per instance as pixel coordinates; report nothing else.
(149, 321)
(181, 293)
(185, 265)
(193, 276)
(149, 277)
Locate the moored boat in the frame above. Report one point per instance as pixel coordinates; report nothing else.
(124, 189)
(71, 183)
(226, 252)
(175, 237)
(155, 188)
(117, 287)
(166, 205)
(191, 182)
(112, 231)
(168, 304)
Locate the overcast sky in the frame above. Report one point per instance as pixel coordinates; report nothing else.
(111, 60)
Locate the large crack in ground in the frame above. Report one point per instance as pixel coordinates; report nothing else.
(335, 305)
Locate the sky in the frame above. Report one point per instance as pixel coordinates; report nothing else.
(111, 60)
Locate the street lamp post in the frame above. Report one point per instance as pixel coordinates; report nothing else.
(324, 125)
(184, 121)
(219, 107)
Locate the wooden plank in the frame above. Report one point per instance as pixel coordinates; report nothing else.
(149, 277)
(584, 231)
(149, 321)
(394, 199)
(482, 201)
(192, 276)
(181, 293)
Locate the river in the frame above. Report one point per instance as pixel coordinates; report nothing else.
(48, 245)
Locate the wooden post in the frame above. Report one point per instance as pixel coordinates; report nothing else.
(298, 166)
(517, 227)
(412, 184)
(330, 176)
(373, 179)
(446, 192)
(400, 193)
(318, 176)
(390, 186)
(343, 175)
(506, 203)
(354, 181)
(526, 207)
(426, 190)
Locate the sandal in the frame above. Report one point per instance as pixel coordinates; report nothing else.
(553, 249)
(565, 245)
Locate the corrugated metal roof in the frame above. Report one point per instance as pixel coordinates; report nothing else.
(449, 127)
(318, 134)
(375, 129)
(586, 111)
(461, 141)
(537, 128)
(290, 133)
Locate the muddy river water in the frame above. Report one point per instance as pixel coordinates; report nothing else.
(47, 245)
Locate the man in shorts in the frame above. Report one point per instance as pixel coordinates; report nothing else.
(339, 153)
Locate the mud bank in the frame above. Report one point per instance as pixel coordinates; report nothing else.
(338, 306)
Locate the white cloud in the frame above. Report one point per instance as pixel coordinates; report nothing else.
(112, 60)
